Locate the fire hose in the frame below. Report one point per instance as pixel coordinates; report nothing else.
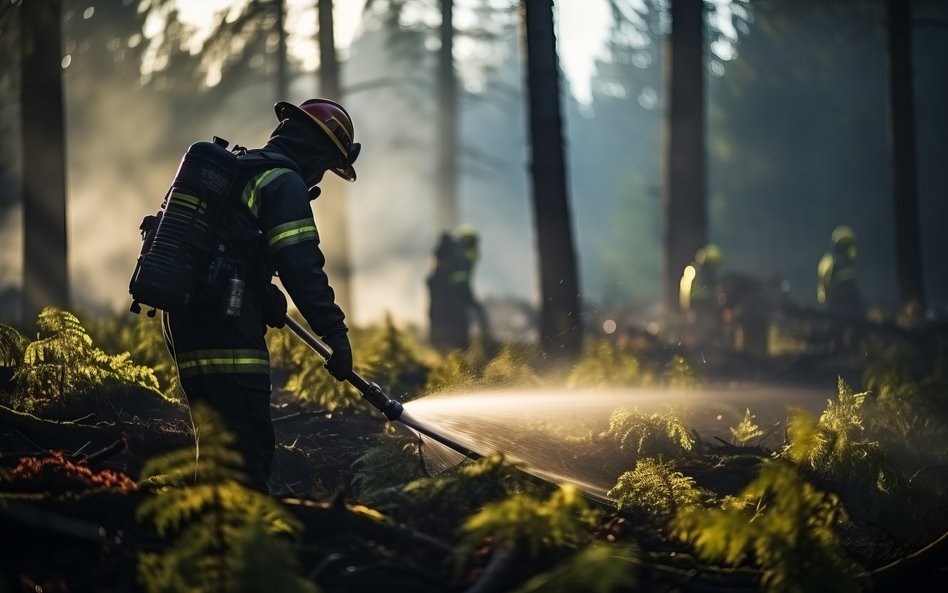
(373, 394)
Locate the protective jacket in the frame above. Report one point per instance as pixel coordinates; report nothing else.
(223, 361)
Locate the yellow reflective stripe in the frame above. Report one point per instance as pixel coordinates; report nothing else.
(249, 195)
(343, 128)
(200, 362)
(331, 136)
(187, 198)
(291, 233)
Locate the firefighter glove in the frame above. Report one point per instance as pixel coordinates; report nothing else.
(339, 364)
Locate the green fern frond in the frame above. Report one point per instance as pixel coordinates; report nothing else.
(12, 346)
(785, 526)
(649, 435)
(212, 518)
(510, 368)
(746, 430)
(655, 490)
(604, 364)
(523, 522)
(383, 468)
(598, 568)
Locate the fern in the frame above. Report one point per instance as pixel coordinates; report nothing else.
(783, 525)
(655, 490)
(436, 502)
(510, 368)
(679, 374)
(216, 523)
(604, 365)
(649, 435)
(454, 373)
(598, 568)
(746, 430)
(523, 522)
(833, 446)
(63, 374)
(383, 468)
(12, 346)
(393, 359)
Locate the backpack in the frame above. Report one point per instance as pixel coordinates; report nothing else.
(191, 248)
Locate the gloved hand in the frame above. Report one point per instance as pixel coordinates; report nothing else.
(339, 364)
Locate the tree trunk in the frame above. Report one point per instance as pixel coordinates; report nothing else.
(447, 199)
(332, 209)
(45, 274)
(902, 133)
(561, 328)
(685, 213)
(282, 80)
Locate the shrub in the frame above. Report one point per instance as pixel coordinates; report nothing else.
(783, 525)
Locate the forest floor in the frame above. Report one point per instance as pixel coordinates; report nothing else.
(70, 523)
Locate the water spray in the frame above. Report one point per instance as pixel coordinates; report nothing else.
(372, 393)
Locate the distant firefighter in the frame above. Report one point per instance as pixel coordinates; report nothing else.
(451, 296)
(836, 275)
(698, 292)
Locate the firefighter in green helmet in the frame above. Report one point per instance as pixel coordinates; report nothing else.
(836, 286)
(698, 294)
(452, 304)
(222, 358)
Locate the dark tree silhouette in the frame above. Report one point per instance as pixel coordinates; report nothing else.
(561, 328)
(685, 211)
(447, 85)
(334, 212)
(45, 280)
(908, 253)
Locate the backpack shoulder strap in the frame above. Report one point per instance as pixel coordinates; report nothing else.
(259, 169)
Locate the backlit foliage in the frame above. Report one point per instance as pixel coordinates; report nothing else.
(12, 346)
(746, 430)
(393, 359)
(220, 530)
(510, 368)
(649, 435)
(64, 374)
(782, 524)
(679, 374)
(444, 499)
(598, 568)
(453, 373)
(834, 446)
(604, 364)
(384, 468)
(911, 406)
(526, 523)
(654, 490)
(141, 337)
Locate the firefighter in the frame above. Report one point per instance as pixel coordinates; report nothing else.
(836, 286)
(223, 361)
(452, 302)
(698, 293)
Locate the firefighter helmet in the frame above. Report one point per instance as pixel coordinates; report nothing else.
(334, 121)
(844, 236)
(710, 255)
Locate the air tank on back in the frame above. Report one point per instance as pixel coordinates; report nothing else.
(174, 261)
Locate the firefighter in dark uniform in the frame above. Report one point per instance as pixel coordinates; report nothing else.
(452, 301)
(836, 286)
(698, 295)
(223, 361)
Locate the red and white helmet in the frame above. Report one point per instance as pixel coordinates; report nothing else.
(335, 122)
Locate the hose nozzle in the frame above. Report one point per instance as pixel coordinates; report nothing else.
(375, 396)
